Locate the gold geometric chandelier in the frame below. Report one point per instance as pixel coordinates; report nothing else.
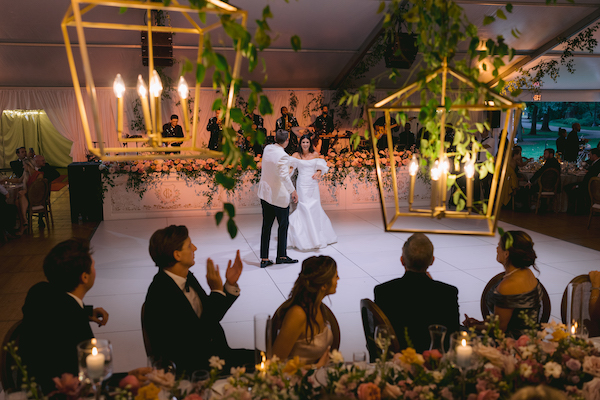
(439, 169)
(150, 95)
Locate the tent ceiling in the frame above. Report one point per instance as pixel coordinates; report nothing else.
(333, 32)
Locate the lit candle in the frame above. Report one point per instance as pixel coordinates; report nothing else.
(435, 176)
(119, 89)
(156, 89)
(95, 364)
(463, 354)
(469, 172)
(413, 168)
(143, 93)
(184, 92)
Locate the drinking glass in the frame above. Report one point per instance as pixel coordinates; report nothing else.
(95, 362)
(578, 295)
(437, 334)
(360, 359)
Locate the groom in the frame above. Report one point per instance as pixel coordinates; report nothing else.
(274, 190)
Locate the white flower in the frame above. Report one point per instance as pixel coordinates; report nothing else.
(237, 371)
(552, 369)
(437, 376)
(525, 370)
(527, 351)
(336, 357)
(216, 362)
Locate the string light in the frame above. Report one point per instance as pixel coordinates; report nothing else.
(20, 113)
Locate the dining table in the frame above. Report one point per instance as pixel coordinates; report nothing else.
(570, 173)
(13, 192)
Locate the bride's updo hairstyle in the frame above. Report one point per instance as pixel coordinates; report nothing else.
(520, 249)
(317, 272)
(311, 149)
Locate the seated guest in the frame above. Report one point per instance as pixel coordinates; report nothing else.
(519, 291)
(48, 170)
(549, 162)
(579, 195)
(403, 301)
(304, 331)
(181, 320)
(17, 165)
(55, 319)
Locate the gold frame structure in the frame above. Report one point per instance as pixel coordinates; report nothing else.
(393, 104)
(74, 18)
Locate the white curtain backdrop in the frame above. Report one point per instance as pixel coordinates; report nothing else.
(61, 106)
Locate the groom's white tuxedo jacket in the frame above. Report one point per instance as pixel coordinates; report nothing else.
(275, 185)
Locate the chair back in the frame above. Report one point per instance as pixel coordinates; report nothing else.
(277, 322)
(579, 300)
(372, 316)
(549, 180)
(37, 193)
(545, 307)
(147, 345)
(9, 377)
(594, 189)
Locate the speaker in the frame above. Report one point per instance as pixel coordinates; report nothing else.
(493, 118)
(401, 52)
(162, 48)
(85, 190)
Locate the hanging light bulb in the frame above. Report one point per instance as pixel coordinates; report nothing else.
(413, 167)
(119, 86)
(141, 87)
(156, 86)
(183, 88)
(436, 171)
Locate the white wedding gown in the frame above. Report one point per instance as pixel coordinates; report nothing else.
(310, 228)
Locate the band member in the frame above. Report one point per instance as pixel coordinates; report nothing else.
(215, 127)
(171, 129)
(323, 126)
(379, 126)
(286, 122)
(257, 125)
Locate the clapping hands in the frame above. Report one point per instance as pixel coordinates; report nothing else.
(232, 274)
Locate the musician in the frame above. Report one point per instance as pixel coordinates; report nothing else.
(323, 125)
(286, 122)
(215, 127)
(379, 126)
(257, 125)
(171, 129)
(406, 139)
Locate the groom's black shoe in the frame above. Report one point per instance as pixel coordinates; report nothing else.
(285, 260)
(265, 263)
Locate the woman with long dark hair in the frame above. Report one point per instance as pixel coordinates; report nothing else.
(305, 332)
(310, 228)
(519, 293)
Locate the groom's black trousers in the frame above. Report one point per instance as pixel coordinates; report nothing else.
(270, 212)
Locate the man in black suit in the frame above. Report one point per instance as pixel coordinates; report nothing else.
(55, 319)
(171, 130)
(180, 319)
(416, 301)
(549, 162)
(50, 173)
(17, 165)
(579, 195)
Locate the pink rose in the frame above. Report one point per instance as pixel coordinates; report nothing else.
(68, 385)
(434, 354)
(368, 391)
(446, 394)
(132, 382)
(573, 364)
(591, 389)
(134, 168)
(523, 341)
(549, 347)
(488, 395)
(391, 391)
(111, 170)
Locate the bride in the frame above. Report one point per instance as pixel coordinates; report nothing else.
(310, 228)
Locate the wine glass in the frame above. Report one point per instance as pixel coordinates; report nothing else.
(437, 334)
(95, 362)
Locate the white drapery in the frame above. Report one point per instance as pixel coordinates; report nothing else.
(60, 105)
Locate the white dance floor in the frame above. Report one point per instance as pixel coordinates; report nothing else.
(365, 254)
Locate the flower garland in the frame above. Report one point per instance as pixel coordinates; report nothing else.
(145, 174)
